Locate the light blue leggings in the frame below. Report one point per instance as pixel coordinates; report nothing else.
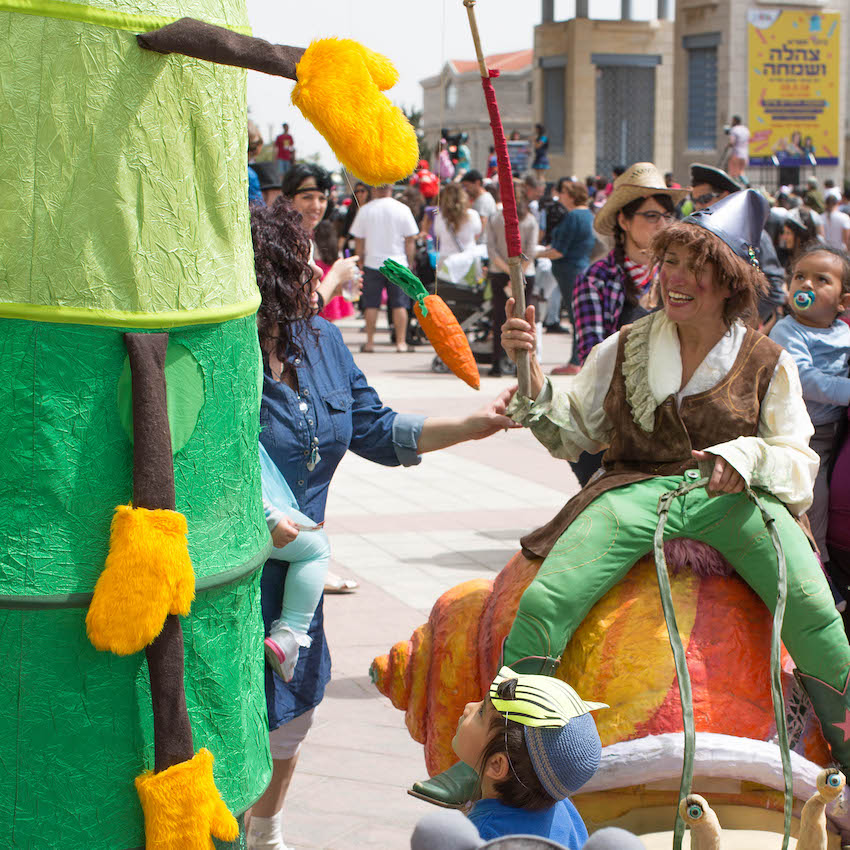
(308, 555)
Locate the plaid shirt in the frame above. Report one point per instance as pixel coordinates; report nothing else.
(598, 301)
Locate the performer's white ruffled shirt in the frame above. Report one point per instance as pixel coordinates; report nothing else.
(779, 460)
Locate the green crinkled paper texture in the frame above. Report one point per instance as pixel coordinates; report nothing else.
(226, 13)
(123, 184)
(76, 726)
(67, 460)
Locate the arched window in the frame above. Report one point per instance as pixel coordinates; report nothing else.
(451, 95)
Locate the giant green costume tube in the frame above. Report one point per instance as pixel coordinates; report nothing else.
(122, 208)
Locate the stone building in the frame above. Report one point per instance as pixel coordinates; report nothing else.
(604, 90)
(454, 99)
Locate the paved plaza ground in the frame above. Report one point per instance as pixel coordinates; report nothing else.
(407, 535)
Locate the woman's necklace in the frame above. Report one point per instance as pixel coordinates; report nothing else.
(313, 440)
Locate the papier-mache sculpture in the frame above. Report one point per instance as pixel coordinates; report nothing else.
(129, 400)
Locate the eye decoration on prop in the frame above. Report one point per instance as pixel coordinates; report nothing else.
(804, 299)
(695, 812)
(439, 323)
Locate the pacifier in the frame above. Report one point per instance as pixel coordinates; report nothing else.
(803, 299)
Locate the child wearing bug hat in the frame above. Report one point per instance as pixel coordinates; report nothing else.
(533, 743)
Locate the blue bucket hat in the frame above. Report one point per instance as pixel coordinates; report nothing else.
(560, 733)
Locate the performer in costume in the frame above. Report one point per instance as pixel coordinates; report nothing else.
(685, 390)
(130, 379)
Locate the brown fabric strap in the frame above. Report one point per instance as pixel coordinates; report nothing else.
(153, 465)
(153, 488)
(172, 729)
(191, 37)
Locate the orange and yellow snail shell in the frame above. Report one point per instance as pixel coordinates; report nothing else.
(621, 655)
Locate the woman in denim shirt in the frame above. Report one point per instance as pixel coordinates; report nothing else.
(316, 406)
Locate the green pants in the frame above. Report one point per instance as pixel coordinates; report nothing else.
(617, 529)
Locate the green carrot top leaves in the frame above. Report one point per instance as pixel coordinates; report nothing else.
(404, 278)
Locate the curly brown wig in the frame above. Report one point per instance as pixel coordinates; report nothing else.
(284, 275)
(746, 283)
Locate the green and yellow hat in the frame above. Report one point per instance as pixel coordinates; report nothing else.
(559, 731)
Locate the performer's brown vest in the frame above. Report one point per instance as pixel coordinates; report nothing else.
(728, 410)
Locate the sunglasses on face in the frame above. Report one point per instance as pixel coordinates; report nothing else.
(653, 217)
(706, 199)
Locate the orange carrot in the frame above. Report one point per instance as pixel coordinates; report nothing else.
(439, 323)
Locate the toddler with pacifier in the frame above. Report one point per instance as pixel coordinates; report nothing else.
(819, 342)
(533, 743)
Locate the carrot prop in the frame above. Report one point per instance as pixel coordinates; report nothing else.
(439, 323)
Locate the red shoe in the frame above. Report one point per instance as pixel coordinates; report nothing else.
(569, 369)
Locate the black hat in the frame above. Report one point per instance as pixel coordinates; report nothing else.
(738, 220)
(717, 178)
(269, 174)
(472, 176)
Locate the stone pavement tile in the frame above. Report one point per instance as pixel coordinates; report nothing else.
(365, 737)
(373, 835)
(315, 829)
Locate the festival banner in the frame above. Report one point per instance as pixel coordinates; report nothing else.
(794, 87)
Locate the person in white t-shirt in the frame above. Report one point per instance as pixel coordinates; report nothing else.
(481, 200)
(456, 230)
(836, 225)
(384, 229)
(739, 143)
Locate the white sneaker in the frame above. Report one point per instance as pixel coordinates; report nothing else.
(281, 647)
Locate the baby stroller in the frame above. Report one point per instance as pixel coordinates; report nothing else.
(473, 314)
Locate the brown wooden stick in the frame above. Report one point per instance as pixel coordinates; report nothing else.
(153, 488)
(201, 40)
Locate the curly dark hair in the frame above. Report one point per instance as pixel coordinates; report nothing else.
(284, 275)
(746, 282)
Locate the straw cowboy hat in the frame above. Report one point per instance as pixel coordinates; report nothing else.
(641, 180)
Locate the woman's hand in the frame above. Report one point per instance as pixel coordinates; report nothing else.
(491, 418)
(284, 532)
(518, 334)
(724, 477)
(440, 433)
(338, 274)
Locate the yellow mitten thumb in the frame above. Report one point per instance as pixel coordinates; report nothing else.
(182, 806)
(339, 92)
(147, 576)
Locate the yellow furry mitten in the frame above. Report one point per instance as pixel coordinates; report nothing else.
(339, 92)
(148, 575)
(183, 808)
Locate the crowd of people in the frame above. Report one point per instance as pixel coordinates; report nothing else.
(607, 256)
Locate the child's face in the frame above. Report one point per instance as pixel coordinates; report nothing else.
(473, 732)
(819, 273)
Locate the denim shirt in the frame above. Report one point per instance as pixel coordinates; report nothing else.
(333, 410)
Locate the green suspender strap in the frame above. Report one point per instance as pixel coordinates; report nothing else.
(682, 675)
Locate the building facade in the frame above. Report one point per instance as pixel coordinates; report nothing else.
(712, 83)
(604, 92)
(454, 99)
